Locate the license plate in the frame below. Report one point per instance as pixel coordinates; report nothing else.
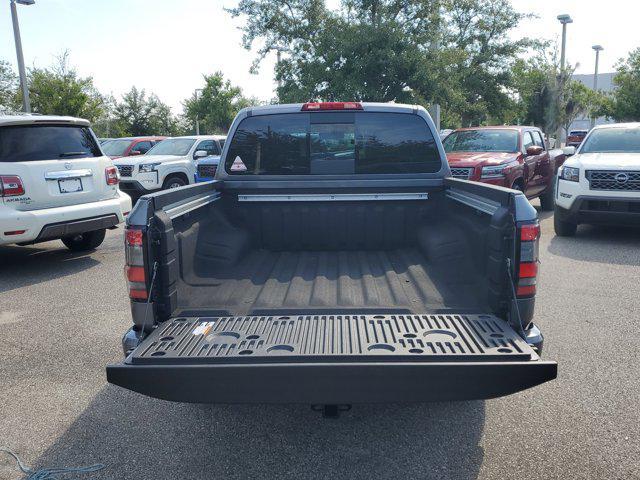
(70, 185)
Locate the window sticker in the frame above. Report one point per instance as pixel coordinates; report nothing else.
(238, 165)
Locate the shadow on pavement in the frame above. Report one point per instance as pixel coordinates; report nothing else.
(611, 245)
(30, 265)
(138, 437)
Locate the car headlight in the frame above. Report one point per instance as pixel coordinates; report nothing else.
(496, 171)
(147, 167)
(571, 174)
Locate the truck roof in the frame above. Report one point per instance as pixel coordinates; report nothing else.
(499, 127)
(26, 119)
(297, 107)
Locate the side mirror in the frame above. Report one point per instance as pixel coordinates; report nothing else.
(568, 151)
(534, 150)
(135, 152)
(200, 154)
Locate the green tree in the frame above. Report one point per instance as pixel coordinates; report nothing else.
(217, 105)
(453, 52)
(141, 114)
(59, 90)
(8, 87)
(624, 104)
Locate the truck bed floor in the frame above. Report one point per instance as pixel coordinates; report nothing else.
(384, 281)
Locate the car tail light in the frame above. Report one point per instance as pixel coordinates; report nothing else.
(134, 267)
(11, 186)
(528, 266)
(331, 106)
(112, 175)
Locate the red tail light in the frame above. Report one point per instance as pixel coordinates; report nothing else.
(331, 106)
(528, 266)
(134, 268)
(11, 186)
(112, 175)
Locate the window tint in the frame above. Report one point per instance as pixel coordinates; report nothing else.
(327, 143)
(142, 147)
(209, 146)
(527, 140)
(26, 143)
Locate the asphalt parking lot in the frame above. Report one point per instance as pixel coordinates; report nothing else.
(62, 316)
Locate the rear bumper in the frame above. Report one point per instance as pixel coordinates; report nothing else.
(331, 359)
(52, 223)
(602, 210)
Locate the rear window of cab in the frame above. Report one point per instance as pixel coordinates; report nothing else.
(332, 143)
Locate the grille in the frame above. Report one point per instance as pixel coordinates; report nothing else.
(463, 173)
(279, 338)
(207, 171)
(616, 180)
(125, 170)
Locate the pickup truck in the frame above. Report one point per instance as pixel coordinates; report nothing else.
(510, 156)
(332, 261)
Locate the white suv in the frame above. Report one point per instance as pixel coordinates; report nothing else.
(601, 182)
(55, 182)
(169, 164)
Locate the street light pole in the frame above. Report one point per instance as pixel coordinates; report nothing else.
(598, 49)
(564, 20)
(197, 120)
(26, 104)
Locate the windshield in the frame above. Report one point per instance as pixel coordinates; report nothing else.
(613, 140)
(25, 143)
(115, 148)
(172, 146)
(482, 141)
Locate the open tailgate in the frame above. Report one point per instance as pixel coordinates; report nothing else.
(331, 359)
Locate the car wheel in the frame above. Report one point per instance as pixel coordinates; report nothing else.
(173, 181)
(562, 227)
(548, 198)
(84, 241)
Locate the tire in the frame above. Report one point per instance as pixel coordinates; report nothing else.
(84, 241)
(548, 198)
(562, 227)
(173, 181)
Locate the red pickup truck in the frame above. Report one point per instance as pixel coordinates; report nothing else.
(510, 156)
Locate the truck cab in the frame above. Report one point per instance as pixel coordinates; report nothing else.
(332, 261)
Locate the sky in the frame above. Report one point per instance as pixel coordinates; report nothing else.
(165, 46)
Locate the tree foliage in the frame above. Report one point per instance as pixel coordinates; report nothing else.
(58, 90)
(8, 88)
(624, 105)
(453, 52)
(217, 105)
(141, 114)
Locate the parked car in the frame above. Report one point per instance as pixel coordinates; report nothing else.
(333, 262)
(206, 167)
(55, 183)
(169, 164)
(575, 137)
(601, 183)
(514, 157)
(129, 146)
(103, 140)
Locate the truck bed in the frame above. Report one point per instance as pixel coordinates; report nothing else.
(388, 281)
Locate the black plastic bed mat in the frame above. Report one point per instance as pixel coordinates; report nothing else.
(332, 338)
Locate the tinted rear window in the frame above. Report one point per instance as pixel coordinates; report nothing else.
(25, 143)
(328, 143)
